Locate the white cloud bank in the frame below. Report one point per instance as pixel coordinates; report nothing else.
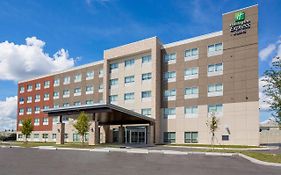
(8, 113)
(23, 61)
(273, 48)
(18, 62)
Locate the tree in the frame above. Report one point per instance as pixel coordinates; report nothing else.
(27, 128)
(272, 89)
(82, 125)
(213, 123)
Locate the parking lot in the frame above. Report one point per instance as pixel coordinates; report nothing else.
(23, 161)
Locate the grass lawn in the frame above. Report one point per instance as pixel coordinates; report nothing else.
(215, 146)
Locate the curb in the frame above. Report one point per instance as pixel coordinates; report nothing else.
(236, 149)
(256, 161)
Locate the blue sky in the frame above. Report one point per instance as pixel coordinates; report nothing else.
(87, 27)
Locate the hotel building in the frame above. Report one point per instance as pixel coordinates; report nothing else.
(147, 92)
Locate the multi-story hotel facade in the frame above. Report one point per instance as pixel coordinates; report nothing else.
(170, 89)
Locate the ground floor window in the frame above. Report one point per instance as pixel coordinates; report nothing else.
(76, 137)
(86, 137)
(169, 137)
(36, 136)
(45, 136)
(19, 136)
(191, 137)
(54, 136)
(225, 137)
(65, 136)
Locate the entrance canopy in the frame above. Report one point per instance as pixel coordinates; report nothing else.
(106, 114)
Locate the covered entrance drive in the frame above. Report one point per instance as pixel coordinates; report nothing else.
(129, 127)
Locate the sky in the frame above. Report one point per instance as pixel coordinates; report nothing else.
(43, 36)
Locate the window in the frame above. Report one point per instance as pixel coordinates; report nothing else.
(21, 89)
(129, 96)
(191, 54)
(89, 89)
(215, 49)
(90, 75)
(215, 69)
(170, 58)
(46, 107)
(66, 105)
(113, 98)
(45, 121)
(191, 73)
(65, 136)
(215, 109)
(77, 78)
(113, 66)
(146, 76)
(20, 122)
(101, 73)
(36, 136)
(56, 95)
(36, 122)
(46, 84)
(146, 112)
(191, 92)
(29, 111)
(170, 94)
(45, 136)
(225, 137)
(29, 99)
(100, 87)
(146, 94)
(191, 111)
(21, 111)
(19, 136)
(37, 109)
(191, 137)
(66, 93)
(54, 136)
(57, 82)
(46, 96)
(170, 76)
(21, 100)
(129, 79)
(113, 82)
(66, 80)
(55, 120)
(146, 59)
(76, 137)
(89, 102)
(77, 91)
(170, 113)
(215, 90)
(37, 86)
(77, 103)
(56, 106)
(29, 88)
(129, 63)
(169, 137)
(37, 97)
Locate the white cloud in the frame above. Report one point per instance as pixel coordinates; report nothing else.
(263, 98)
(8, 113)
(18, 62)
(266, 52)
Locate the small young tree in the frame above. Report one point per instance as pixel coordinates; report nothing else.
(82, 125)
(272, 78)
(27, 128)
(212, 124)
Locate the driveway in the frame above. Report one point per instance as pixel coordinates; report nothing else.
(23, 161)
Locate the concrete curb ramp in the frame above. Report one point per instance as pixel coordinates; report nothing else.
(146, 151)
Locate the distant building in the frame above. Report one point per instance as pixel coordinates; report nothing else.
(270, 132)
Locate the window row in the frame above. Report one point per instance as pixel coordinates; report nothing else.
(192, 111)
(145, 95)
(193, 92)
(130, 79)
(66, 80)
(193, 53)
(36, 121)
(130, 63)
(193, 72)
(53, 136)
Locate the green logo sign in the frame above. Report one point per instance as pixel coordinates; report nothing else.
(239, 16)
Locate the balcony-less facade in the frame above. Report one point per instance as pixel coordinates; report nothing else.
(176, 85)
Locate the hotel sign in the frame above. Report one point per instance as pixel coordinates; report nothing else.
(240, 25)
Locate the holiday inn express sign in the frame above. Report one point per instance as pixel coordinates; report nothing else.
(240, 25)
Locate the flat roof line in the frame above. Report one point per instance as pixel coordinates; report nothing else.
(240, 9)
(63, 71)
(190, 40)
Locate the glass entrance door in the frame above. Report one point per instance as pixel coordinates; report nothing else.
(136, 135)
